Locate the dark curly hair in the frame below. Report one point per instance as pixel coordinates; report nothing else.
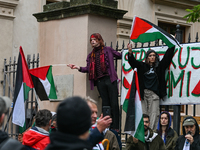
(42, 118)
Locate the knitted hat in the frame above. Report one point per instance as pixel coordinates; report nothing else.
(73, 116)
(5, 103)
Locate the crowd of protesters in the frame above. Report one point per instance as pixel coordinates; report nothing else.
(76, 125)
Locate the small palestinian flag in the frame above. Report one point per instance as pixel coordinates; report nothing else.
(23, 85)
(144, 31)
(43, 82)
(134, 124)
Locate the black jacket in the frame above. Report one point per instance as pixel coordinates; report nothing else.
(62, 141)
(181, 140)
(7, 143)
(160, 71)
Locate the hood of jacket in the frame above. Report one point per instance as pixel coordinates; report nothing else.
(33, 136)
(62, 141)
(196, 124)
(169, 120)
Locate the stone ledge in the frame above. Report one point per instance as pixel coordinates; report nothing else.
(80, 10)
(55, 6)
(108, 3)
(184, 4)
(9, 4)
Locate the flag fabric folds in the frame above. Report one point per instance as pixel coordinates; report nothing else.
(23, 85)
(43, 82)
(134, 124)
(144, 31)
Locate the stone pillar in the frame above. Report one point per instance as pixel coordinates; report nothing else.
(65, 29)
(6, 29)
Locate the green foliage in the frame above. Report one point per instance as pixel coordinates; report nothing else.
(194, 15)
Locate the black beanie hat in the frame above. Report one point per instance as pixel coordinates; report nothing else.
(73, 116)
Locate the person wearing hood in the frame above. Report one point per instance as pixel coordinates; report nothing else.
(101, 71)
(38, 136)
(152, 140)
(190, 139)
(164, 129)
(152, 84)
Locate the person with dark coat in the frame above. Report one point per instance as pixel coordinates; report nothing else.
(165, 131)
(73, 123)
(152, 140)
(190, 140)
(151, 77)
(101, 70)
(7, 143)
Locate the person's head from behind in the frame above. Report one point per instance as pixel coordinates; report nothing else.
(151, 57)
(96, 40)
(43, 119)
(94, 110)
(5, 104)
(189, 125)
(146, 122)
(74, 117)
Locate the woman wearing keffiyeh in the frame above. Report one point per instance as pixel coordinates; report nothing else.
(100, 67)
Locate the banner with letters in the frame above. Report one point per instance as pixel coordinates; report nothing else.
(182, 76)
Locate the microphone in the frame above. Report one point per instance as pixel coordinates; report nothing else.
(187, 141)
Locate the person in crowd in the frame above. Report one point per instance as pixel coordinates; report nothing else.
(165, 131)
(190, 139)
(152, 84)
(73, 123)
(53, 123)
(38, 136)
(152, 140)
(7, 143)
(100, 129)
(100, 67)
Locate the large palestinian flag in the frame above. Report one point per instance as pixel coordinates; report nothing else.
(22, 86)
(134, 124)
(43, 82)
(144, 31)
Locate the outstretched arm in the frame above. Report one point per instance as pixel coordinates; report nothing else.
(72, 66)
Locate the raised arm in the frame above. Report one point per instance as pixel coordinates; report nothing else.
(131, 59)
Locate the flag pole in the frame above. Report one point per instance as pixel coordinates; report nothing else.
(36, 98)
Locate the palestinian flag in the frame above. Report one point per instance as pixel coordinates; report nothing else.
(134, 124)
(43, 82)
(23, 85)
(144, 31)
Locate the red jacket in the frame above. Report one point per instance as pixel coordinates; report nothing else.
(35, 139)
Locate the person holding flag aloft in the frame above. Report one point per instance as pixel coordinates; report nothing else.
(152, 84)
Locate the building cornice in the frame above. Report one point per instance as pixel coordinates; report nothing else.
(184, 4)
(7, 8)
(77, 10)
